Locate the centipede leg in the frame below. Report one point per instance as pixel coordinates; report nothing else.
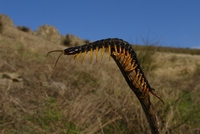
(77, 56)
(120, 49)
(102, 52)
(62, 52)
(97, 50)
(91, 54)
(109, 51)
(123, 55)
(116, 52)
(141, 84)
(133, 66)
(84, 54)
(137, 85)
(145, 91)
(126, 61)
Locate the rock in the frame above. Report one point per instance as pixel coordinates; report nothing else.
(48, 32)
(13, 76)
(13, 80)
(6, 21)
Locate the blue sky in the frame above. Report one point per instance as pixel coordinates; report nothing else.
(171, 22)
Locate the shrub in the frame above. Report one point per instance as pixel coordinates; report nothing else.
(24, 29)
(72, 40)
(66, 42)
(87, 41)
(1, 27)
(145, 58)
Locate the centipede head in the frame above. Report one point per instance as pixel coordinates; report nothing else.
(62, 52)
(71, 51)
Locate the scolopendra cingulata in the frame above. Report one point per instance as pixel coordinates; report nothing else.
(125, 57)
(123, 52)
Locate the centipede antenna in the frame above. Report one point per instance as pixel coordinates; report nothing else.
(58, 59)
(62, 52)
(54, 51)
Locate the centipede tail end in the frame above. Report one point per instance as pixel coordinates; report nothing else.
(152, 92)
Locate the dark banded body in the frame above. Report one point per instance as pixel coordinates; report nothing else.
(125, 53)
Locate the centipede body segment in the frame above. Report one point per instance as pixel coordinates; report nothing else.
(125, 57)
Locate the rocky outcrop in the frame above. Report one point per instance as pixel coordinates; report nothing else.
(48, 32)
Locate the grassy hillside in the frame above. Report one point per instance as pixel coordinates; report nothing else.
(76, 98)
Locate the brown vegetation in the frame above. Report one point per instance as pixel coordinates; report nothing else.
(6, 21)
(24, 29)
(91, 98)
(1, 27)
(49, 33)
(71, 40)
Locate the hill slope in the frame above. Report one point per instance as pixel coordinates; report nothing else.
(90, 98)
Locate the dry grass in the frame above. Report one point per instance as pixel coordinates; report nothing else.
(91, 98)
(5, 20)
(49, 33)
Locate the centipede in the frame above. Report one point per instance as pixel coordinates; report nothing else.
(126, 59)
(123, 52)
